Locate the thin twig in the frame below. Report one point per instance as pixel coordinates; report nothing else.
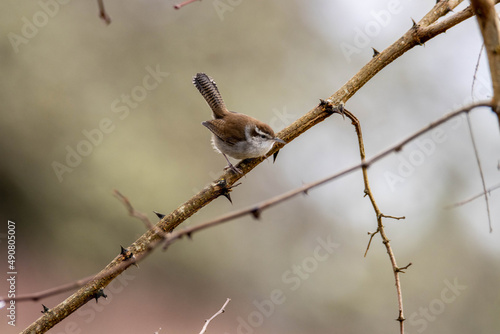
(207, 322)
(102, 12)
(401, 269)
(379, 215)
(478, 160)
(475, 72)
(488, 191)
(392, 217)
(131, 211)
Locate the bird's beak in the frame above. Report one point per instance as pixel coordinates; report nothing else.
(281, 141)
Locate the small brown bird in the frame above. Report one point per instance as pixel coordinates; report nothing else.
(234, 134)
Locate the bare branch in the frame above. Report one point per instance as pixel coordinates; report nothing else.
(379, 215)
(131, 211)
(207, 322)
(102, 12)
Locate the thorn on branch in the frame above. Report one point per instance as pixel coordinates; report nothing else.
(414, 25)
(448, 9)
(275, 155)
(159, 215)
(326, 105)
(45, 309)
(228, 196)
(131, 211)
(256, 213)
(225, 189)
(100, 293)
(375, 52)
(126, 254)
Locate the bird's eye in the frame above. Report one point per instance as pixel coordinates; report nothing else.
(263, 136)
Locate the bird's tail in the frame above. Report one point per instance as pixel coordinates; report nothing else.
(209, 91)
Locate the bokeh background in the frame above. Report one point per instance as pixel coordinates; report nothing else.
(274, 60)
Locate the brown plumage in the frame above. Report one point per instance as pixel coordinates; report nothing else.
(237, 135)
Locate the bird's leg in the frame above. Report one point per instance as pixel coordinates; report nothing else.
(230, 165)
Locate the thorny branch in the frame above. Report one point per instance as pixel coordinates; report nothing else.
(424, 30)
(207, 322)
(131, 211)
(379, 215)
(484, 193)
(102, 12)
(184, 3)
(478, 160)
(255, 210)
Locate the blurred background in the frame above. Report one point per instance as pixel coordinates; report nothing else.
(88, 108)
